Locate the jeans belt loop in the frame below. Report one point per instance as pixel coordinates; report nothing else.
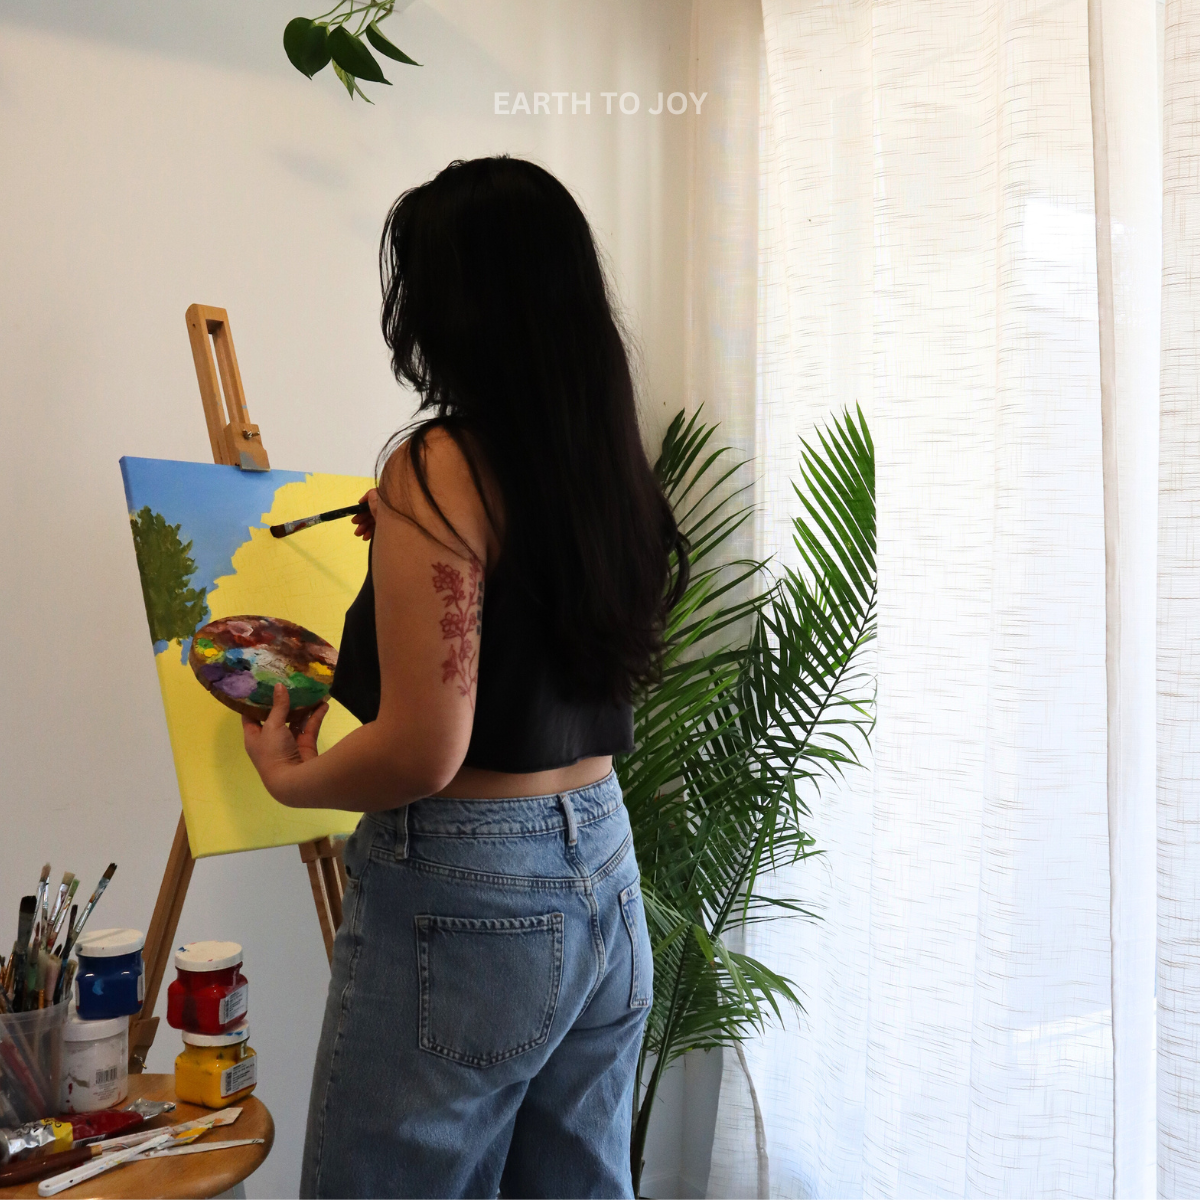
(572, 824)
(402, 834)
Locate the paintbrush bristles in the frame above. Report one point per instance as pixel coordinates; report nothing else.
(37, 972)
(52, 932)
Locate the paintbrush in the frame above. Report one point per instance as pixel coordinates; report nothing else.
(68, 973)
(65, 979)
(58, 906)
(62, 913)
(77, 928)
(21, 950)
(53, 967)
(39, 905)
(334, 514)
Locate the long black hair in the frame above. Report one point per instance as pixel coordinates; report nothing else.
(497, 313)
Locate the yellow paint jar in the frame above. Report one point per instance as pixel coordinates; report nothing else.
(216, 1069)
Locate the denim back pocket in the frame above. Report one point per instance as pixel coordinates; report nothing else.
(641, 990)
(489, 986)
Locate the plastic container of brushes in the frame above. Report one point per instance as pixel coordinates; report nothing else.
(30, 1063)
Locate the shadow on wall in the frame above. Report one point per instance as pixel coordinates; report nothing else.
(234, 35)
(152, 25)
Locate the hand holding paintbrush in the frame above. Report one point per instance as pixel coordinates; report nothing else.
(363, 514)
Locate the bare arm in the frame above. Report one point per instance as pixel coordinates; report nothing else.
(428, 612)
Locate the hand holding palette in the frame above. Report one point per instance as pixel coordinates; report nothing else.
(239, 660)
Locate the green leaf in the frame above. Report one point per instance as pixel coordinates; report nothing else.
(763, 694)
(353, 57)
(702, 940)
(386, 48)
(351, 84)
(307, 45)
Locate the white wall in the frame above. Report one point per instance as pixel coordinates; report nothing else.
(159, 154)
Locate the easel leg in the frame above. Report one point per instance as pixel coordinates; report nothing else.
(327, 878)
(235, 442)
(159, 940)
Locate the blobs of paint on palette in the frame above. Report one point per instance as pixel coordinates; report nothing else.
(239, 660)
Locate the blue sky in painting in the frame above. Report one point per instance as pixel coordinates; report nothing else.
(214, 506)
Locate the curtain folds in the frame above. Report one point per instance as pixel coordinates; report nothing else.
(1179, 619)
(960, 231)
(1127, 154)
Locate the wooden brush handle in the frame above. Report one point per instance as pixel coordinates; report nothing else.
(26, 1169)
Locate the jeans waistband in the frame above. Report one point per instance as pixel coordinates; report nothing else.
(520, 815)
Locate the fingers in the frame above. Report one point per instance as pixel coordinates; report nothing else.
(280, 704)
(307, 739)
(364, 523)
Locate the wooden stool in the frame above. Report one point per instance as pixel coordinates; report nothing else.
(184, 1175)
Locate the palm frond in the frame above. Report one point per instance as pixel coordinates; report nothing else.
(762, 696)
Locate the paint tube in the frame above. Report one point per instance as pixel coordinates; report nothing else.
(36, 1134)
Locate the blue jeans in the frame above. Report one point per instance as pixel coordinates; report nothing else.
(491, 979)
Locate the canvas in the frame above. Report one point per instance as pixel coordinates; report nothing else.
(204, 552)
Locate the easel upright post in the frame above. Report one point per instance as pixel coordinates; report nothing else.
(235, 442)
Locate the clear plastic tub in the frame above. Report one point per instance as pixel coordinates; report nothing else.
(30, 1062)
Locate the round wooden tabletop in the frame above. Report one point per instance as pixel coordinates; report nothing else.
(185, 1175)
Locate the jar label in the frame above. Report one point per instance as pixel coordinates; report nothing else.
(240, 1075)
(234, 1005)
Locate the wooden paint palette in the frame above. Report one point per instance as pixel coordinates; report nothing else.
(239, 660)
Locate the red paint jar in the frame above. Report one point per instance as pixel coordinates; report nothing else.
(209, 994)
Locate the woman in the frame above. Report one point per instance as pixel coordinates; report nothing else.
(493, 970)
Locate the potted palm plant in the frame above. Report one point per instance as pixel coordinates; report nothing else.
(763, 693)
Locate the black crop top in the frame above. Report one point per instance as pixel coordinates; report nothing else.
(523, 722)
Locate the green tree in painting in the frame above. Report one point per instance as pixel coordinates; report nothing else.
(172, 608)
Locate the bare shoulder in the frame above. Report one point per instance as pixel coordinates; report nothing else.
(457, 506)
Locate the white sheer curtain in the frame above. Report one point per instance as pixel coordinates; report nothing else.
(1179, 619)
(959, 230)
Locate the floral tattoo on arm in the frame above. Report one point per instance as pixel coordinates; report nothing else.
(464, 617)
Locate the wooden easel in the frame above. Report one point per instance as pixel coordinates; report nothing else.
(238, 443)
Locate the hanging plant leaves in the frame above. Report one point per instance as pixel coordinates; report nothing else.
(307, 45)
(351, 84)
(353, 57)
(386, 48)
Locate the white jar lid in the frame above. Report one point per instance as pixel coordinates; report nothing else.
(208, 956)
(109, 943)
(239, 1033)
(78, 1030)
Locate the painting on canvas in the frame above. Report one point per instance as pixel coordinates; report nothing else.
(205, 553)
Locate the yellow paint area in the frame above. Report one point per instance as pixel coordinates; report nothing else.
(310, 578)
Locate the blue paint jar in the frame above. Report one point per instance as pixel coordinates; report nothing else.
(110, 981)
